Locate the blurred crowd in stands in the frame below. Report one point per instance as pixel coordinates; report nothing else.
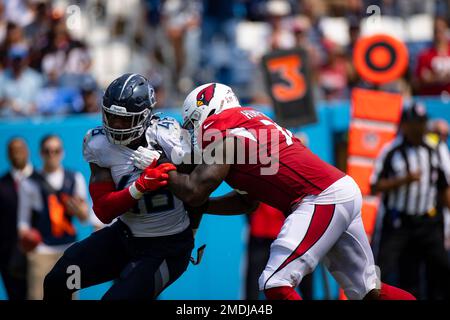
(57, 56)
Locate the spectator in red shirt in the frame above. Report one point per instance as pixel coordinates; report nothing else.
(433, 66)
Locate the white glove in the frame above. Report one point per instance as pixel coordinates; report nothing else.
(143, 157)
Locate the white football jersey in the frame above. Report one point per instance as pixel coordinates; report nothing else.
(156, 214)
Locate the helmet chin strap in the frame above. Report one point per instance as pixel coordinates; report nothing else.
(136, 143)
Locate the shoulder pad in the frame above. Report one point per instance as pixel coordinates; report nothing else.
(167, 122)
(91, 133)
(93, 142)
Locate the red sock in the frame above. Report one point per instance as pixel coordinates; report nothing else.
(282, 293)
(388, 292)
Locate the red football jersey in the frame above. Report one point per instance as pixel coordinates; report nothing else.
(274, 166)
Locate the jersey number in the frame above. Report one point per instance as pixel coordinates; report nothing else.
(166, 123)
(157, 201)
(98, 131)
(285, 132)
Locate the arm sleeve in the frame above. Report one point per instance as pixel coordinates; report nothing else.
(108, 203)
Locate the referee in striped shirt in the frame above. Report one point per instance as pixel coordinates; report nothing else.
(411, 178)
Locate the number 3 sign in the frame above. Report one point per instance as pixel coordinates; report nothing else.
(288, 81)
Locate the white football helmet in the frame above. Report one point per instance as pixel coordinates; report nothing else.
(204, 101)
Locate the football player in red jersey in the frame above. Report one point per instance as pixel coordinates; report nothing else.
(265, 162)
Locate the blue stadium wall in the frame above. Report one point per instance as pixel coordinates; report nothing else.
(221, 275)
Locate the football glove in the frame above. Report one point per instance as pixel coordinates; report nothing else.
(143, 157)
(152, 178)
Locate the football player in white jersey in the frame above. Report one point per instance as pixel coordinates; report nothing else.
(149, 245)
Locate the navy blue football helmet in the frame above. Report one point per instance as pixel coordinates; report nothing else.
(129, 100)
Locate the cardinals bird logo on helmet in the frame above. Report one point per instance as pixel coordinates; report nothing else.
(204, 101)
(204, 96)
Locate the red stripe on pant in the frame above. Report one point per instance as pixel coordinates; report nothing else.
(321, 219)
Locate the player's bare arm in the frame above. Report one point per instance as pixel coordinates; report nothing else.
(194, 189)
(233, 203)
